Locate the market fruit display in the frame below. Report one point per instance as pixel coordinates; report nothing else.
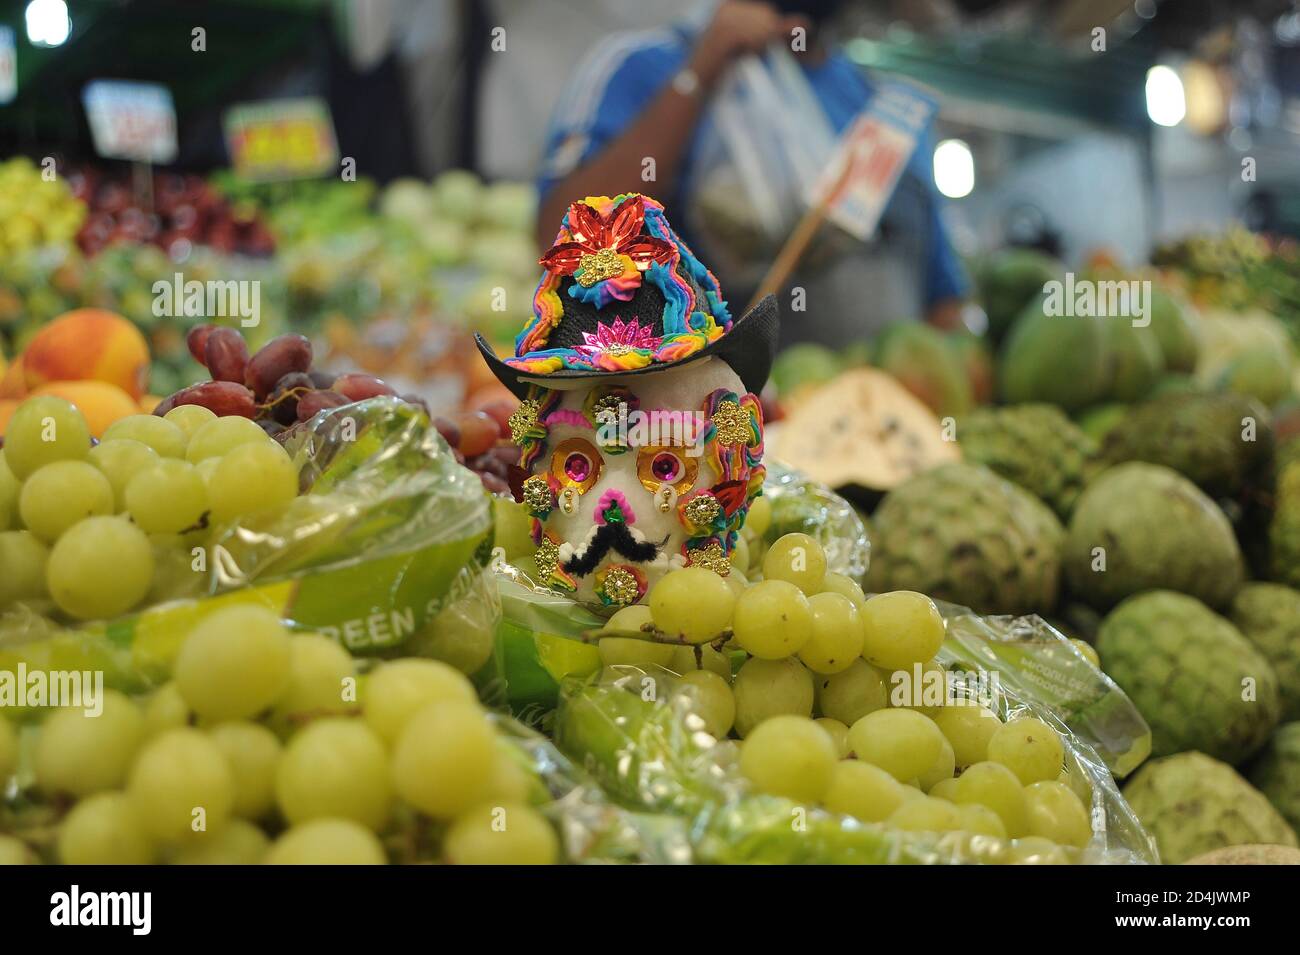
(1011, 280)
(1284, 527)
(1197, 681)
(267, 748)
(1056, 359)
(926, 364)
(1035, 446)
(1192, 804)
(1144, 527)
(1276, 773)
(961, 533)
(37, 209)
(1268, 615)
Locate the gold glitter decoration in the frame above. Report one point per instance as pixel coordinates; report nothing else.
(734, 426)
(621, 586)
(606, 407)
(547, 558)
(605, 264)
(523, 419)
(711, 557)
(537, 494)
(703, 510)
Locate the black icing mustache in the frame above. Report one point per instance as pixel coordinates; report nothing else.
(615, 536)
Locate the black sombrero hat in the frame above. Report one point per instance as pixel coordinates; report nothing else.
(623, 295)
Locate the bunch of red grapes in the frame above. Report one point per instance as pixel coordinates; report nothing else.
(278, 389)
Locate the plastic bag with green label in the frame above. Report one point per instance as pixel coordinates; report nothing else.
(385, 549)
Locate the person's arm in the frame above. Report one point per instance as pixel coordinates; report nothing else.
(664, 128)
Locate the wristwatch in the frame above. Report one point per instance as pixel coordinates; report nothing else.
(686, 82)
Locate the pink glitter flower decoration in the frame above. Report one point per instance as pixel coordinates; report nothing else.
(618, 339)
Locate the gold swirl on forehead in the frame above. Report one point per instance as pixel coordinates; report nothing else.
(645, 458)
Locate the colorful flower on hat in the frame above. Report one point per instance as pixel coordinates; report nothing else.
(621, 346)
(601, 246)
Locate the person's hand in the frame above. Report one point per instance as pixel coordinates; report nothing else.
(738, 27)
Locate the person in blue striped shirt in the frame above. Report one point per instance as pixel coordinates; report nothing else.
(647, 95)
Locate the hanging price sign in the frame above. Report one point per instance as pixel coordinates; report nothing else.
(281, 139)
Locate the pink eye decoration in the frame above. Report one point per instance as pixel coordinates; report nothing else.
(658, 467)
(666, 467)
(576, 463)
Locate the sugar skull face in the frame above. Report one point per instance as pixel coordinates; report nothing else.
(632, 476)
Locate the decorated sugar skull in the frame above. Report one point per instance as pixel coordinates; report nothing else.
(640, 430)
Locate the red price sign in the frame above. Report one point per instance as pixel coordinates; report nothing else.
(281, 139)
(130, 120)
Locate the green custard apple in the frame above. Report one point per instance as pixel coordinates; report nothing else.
(1196, 680)
(1284, 528)
(1277, 772)
(1268, 615)
(1193, 804)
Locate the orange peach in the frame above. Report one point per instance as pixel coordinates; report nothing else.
(88, 344)
(99, 402)
(148, 403)
(14, 384)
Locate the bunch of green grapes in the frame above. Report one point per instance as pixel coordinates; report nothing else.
(98, 530)
(270, 747)
(840, 701)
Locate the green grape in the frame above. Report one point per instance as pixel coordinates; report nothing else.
(461, 635)
(968, 727)
(505, 834)
(845, 586)
(100, 568)
(175, 572)
(322, 678)
(217, 438)
(120, 460)
(995, 786)
(165, 710)
(234, 664)
(1035, 850)
(692, 604)
(901, 628)
(789, 756)
(160, 434)
(15, 852)
(740, 556)
(980, 820)
(23, 558)
(903, 743)
(629, 620)
(104, 829)
(236, 843)
(945, 789)
(207, 468)
(926, 814)
(922, 687)
(8, 749)
(712, 700)
(444, 759)
(767, 688)
(167, 498)
(772, 620)
(9, 489)
(327, 842)
(738, 582)
(1029, 748)
(629, 651)
(189, 418)
(176, 774)
(836, 640)
(942, 769)
(253, 753)
(510, 781)
(797, 559)
(1088, 650)
(851, 694)
(44, 430)
(839, 734)
(61, 494)
(81, 754)
(863, 791)
(1055, 812)
(250, 478)
(759, 518)
(396, 691)
(335, 768)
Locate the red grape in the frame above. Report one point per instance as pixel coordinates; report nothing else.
(226, 355)
(223, 398)
(494, 484)
(274, 360)
(283, 400)
(320, 379)
(359, 387)
(500, 412)
(478, 432)
(450, 433)
(197, 342)
(314, 402)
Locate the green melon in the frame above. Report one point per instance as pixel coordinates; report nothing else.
(1055, 359)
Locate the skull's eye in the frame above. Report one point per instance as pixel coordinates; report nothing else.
(576, 464)
(657, 467)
